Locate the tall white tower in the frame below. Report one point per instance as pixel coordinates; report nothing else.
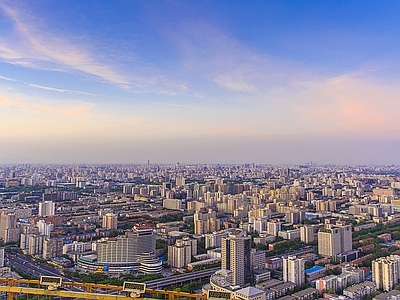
(293, 270)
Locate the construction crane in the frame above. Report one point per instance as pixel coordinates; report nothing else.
(55, 287)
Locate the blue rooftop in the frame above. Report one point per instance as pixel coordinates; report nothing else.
(314, 269)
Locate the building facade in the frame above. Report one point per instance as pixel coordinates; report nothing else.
(386, 272)
(293, 270)
(126, 248)
(236, 258)
(333, 240)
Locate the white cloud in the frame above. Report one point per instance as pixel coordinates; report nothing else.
(32, 46)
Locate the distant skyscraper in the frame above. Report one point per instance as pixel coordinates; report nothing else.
(8, 227)
(110, 221)
(180, 181)
(273, 227)
(307, 234)
(214, 240)
(293, 270)
(46, 208)
(236, 258)
(44, 227)
(206, 223)
(257, 259)
(294, 217)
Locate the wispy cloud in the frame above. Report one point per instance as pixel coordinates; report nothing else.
(31, 46)
(217, 56)
(49, 88)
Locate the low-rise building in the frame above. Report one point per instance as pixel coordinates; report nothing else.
(249, 293)
(283, 289)
(274, 263)
(307, 294)
(392, 295)
(360, 291)
(315, 273)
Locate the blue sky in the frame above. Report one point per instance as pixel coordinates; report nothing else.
(207, 81)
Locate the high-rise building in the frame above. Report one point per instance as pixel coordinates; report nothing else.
(52, 247)
(295, 217)
(307, 234)
(329, 282)
(214, 240)
(44, 227)
(236, 258)
(46, 208)
(8, 227)
(257, 259)
(175, 204)
(1, 257)
(334, 239)
(180, 181)
(110, 221)
(180, 254)
(127, 189)
(293, 270)
(386, 272)
(206, 223)
(322, 205)
(260, 224)
(35, 244)
(273, 227)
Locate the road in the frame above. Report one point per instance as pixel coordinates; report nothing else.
(304, 250)
(178, 279)
(31, 267)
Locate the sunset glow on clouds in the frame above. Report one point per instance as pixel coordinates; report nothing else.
(214, 82)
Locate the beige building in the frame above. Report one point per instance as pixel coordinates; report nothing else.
(52, 247)
(322, 205)
(35, 244)
(326, 283)
(180, 254)
(273, 227)
(47, 208)
(334, 239)
(110, 221)
(307, 234)
(8, 227)
(386, 272)
(206, 223)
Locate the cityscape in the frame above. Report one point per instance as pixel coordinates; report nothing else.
(178, 149)
(248, 231)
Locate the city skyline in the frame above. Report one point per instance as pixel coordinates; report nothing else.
(277, 82)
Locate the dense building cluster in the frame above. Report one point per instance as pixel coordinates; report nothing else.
(275, 229)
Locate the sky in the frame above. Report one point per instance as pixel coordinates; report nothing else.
(276, 82)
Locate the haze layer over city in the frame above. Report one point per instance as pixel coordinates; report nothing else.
(278, 82)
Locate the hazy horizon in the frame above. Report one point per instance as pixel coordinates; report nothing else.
(266, 82)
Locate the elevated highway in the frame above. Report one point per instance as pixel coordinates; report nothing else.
(180, 279)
